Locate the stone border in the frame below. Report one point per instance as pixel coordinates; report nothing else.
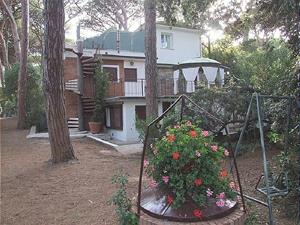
(237, 217)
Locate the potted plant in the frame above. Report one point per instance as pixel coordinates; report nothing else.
(188, 166)
(101, 84)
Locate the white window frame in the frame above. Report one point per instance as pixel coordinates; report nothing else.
(114, 66)
(171, 40)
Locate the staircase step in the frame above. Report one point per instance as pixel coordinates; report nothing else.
(73, 118)
(87, 60)
(88, 73)
(88, 69)
(89, 64)
(89, 110)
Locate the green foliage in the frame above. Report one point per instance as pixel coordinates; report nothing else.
(187, 161)
(101, 85)
(34, 98)
(121, 201)
(228, 104)
(269, 69)
(191, 13)
(274, 137)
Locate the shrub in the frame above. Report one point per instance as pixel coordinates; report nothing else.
(101, 84)
(34, 99)
(187, 161)
(122, 202)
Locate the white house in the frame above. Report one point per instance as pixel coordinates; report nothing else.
(124, 59)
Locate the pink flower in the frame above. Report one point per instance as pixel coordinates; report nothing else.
(198, 153)
(177, 126)
(165, 179)
(146, 163)
(189, 123)
(220, 203)
(209, 192)
(232, 185)
(205, 144)
(153, 184)
(226, 152)
(204, 133)
(214, 148)
(221, 195)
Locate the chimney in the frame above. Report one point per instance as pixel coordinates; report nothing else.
(118, 40)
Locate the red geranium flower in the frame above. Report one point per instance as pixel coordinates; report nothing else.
(198, 182)
(223, 173)
(197, 213)
(171, 138)
(193, 133)
(176, 155)
(170, 199)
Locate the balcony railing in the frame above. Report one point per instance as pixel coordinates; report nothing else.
(165, 87)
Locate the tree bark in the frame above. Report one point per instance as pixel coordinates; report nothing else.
(23, 73)
(54, 35)
(14, 30)
(4, 55)
(1, 74)
(150, 61)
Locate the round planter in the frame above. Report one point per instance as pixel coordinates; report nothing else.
(154, 203)
(95, 127)
(237, 217)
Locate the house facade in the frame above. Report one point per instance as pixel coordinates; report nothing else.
(123, 58)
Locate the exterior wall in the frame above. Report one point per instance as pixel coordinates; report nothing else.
(186, 44)
(71, 102)
(70, 68)
(71, 99)
(129, 132)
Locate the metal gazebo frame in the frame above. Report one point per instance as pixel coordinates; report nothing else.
(183, 98)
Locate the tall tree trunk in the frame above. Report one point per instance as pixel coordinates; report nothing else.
(14, 29)
(150, 61)
(1, 74)
(23, 73)
(3, 49)
(54, 35)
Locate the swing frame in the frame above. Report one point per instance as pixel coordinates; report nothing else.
(269, 191)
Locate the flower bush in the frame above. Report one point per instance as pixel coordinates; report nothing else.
(187, 162)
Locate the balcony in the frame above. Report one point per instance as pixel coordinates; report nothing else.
(165, 87)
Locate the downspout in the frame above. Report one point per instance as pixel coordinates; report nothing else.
(80, 79)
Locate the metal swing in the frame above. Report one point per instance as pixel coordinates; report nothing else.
(268, 184)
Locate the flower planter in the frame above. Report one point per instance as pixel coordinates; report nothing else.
(95, 127)
(236, 217)
(155, 203)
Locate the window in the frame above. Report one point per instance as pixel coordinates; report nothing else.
(112, 71)
(166, 40)
(140, 112)
(130, 75)
(114, 117)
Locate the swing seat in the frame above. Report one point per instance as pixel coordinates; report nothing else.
(274, 188)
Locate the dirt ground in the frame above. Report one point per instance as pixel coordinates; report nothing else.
(35, 192)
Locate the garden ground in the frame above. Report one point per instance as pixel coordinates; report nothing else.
(35, 192)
